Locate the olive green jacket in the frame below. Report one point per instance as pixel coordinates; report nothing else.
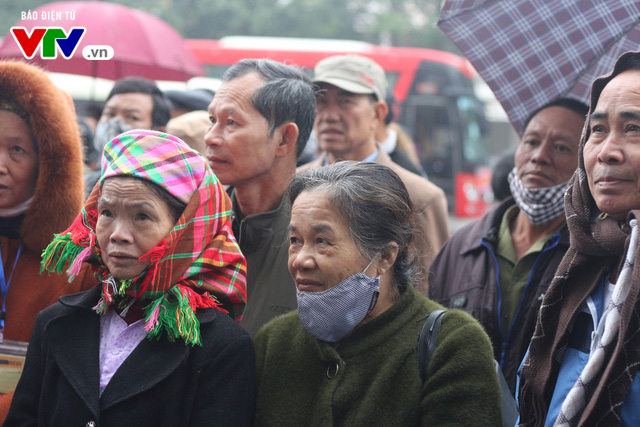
(264, 241)
(371, 377)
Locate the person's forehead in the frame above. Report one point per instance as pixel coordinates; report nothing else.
(137, 100)
(11, 118)
(237, 91)
(554, 118)
(622, 89)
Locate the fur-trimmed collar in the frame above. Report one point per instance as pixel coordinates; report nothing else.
(59, 191)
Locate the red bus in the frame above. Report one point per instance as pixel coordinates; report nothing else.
(434, 91)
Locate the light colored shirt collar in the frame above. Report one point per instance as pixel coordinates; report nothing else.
(390, 142)
(369, 158)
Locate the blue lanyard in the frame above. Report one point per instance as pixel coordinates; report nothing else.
(4, 286)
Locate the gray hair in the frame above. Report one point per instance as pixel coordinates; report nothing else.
(287, 96)
(377, 206)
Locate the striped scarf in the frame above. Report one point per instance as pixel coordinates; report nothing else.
(576, 400)
(198, 264)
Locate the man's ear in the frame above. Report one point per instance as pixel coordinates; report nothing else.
(288, 138)
(387, 259)
(380, 109)
(160, 128)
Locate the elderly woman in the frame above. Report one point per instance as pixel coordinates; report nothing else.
(40, 194)
(348, 355)
(156, 230)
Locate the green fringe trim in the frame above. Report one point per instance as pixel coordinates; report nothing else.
(59, 254)
(172, 314)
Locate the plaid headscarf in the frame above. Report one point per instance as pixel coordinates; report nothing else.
(198, 264)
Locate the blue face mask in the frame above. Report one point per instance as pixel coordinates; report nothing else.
(333, 314)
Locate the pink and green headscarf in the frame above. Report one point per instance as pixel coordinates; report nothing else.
(198, 264)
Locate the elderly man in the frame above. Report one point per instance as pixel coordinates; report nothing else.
(350, 108)
(582, 367)
(498, 268)
(261, 118)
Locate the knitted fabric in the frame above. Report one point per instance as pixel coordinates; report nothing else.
(598, 243)
(198, 264)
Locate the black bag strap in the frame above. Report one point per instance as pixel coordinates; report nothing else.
(509, 407)
(427, 345)
(428, 340)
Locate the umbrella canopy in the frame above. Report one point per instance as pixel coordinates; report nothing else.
(143, 44)
(532, 51)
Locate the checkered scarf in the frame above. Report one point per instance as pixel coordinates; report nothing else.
(598, 243)
(540, 205)
(198, 264)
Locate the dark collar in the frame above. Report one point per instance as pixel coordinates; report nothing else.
(488, 227)
(10, 226)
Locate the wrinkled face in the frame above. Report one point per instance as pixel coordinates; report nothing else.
(548, 152)
(345, 122)
(18, 161)
(239, 149)
(133, 108)
(612, 152)
(322, 252)
(132, 220)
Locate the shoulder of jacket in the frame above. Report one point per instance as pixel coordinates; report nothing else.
(282, 328)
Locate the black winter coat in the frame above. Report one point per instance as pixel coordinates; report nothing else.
(159, 384)
(464, 276)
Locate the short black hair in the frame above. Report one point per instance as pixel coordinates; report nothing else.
(161, 112)
(578, 107)
(288, 95)
(391, 102)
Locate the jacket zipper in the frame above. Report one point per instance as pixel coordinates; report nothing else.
(555, 240)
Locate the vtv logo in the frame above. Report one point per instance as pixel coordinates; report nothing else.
(66, 43)
(50, 37)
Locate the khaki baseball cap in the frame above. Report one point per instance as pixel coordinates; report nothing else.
(353, 73)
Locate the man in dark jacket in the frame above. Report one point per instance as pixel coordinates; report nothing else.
(498, 268)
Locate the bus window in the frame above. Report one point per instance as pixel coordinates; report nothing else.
(473, 150)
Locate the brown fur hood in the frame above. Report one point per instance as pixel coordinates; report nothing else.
(59, 191)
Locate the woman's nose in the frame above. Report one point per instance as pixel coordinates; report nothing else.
(121, 233)
(302, 259)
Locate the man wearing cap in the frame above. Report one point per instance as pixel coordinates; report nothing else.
(350, 107)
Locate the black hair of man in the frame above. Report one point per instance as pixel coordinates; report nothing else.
(288, 95)
(578, 107)
(391, 102)
(161, 112)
